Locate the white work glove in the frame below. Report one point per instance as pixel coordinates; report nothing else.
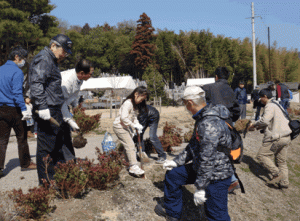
(26, 116)
(139, 127)
(45, 114)
(73, 124)
(169, 164)
(279, 99)
(199, 197)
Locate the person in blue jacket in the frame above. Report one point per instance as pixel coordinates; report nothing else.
(12, 108)
(241, 96)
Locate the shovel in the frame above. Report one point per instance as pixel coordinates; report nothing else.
(52, 120)
(140, 152)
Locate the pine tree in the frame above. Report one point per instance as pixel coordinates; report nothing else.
(26, 23)
(142, 48)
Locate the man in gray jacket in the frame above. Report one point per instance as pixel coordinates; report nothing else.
(47, 98)
(210, 170)
(276, 139)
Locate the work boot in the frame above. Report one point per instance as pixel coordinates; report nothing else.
(233, 186)
(161, 211)
(276, 179)
(283, 186)
(32, 166)
(135, 169)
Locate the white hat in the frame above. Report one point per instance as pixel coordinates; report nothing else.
(193, 92)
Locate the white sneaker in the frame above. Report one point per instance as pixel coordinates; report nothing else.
(135, 169)
(35, 135)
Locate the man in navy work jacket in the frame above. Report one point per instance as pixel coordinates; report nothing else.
(210, 170)
(150, 119)
(241, 96)
(12, 108)
(47, 97)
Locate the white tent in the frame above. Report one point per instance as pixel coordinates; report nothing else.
(125, 82)
(199, 81)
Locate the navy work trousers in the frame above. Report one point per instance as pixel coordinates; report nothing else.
(216, 207)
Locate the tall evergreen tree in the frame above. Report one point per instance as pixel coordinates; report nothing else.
(85, 29)
(142, 48)
(26, 23)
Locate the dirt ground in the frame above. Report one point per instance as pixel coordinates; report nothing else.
(131, 198)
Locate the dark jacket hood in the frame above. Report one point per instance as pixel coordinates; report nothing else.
(217, 110)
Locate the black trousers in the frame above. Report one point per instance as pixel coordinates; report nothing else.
(50, 140)
(10, 117)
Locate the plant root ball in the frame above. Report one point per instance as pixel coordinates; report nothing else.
(79, 141)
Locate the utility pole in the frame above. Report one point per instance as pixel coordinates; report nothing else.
(253, 46)
(269, 53)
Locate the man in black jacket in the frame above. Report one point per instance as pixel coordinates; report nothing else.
(47, 97)
(256, 104)
(150, 119)
(221, 93)
(282, 95)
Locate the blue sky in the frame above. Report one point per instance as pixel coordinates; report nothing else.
(224, 17)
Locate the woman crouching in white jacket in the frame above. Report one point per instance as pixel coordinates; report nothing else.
(127, 121)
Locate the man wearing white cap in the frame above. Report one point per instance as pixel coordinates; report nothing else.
(210, 170)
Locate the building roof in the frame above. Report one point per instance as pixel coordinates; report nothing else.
(293, 86)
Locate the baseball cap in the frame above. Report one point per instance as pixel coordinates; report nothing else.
(64, 41)
(192, 93)
(241, 82)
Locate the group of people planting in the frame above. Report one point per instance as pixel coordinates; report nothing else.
(204, 162)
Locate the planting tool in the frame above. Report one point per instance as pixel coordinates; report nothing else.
(52, 120)
(246, 128)
(140, 152)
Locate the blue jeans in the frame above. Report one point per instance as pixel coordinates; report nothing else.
(154, 139)
(216, 207)
(285, 103)
(258, 108)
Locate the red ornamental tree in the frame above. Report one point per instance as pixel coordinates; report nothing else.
(142, 49)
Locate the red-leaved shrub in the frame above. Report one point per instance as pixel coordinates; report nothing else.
(106, 170)
(85, 122)
(171, 137)
(34, 204)
(71, 180)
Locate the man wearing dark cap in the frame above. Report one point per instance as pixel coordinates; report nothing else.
(241, 96)
(47, 98)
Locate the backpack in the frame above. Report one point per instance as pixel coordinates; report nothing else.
(237, 149)
(235, 153)
(293, 124)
